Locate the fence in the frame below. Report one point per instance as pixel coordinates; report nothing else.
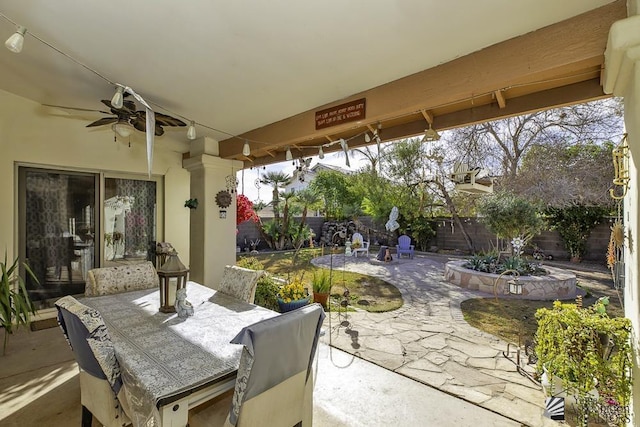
(448, 236)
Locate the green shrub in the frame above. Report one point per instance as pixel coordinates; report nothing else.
(267, 293)
(586, 349)
(250, 262)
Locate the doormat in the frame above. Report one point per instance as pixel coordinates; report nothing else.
(38, 325)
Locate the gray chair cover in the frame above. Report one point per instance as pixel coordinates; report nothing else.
(88, 337)
(275, 349)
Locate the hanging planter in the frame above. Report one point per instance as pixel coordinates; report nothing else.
(191, 203)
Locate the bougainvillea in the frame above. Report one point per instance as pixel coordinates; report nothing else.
(244, 210)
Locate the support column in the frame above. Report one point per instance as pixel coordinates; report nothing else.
(622, 78)
(212, 238)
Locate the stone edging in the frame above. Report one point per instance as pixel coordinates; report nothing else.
(558, 284)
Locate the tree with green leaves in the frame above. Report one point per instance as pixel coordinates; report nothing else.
(335, 189)
(510, 216)
(574, 224)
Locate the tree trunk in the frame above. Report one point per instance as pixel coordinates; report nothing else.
(454, 214)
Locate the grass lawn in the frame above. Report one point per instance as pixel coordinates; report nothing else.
(365, 292)
(505, 317)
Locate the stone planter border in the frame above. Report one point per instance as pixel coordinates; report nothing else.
(558, 284)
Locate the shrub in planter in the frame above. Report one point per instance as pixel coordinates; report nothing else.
(590, 353)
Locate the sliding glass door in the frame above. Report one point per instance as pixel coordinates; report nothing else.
(57, 212)
(62, 235)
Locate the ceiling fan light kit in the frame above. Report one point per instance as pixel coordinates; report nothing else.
(123, 129)
(15, 42)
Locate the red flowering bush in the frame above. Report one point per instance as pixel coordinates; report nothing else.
(245, 210)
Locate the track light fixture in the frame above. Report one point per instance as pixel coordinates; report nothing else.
(191, 132)
(15, 42)
(289, 156)
(246, 148)
(118, 99)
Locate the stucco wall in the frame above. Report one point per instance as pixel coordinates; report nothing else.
(39, 136)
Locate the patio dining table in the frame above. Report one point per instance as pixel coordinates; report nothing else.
(171, 364)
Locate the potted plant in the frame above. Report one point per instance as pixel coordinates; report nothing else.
(321, 284)
(586, 354)
(292, 295)
(16, 307)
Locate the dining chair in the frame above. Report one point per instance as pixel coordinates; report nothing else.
(240, 282)
(122, 278)
(274, 385)
(101, 388)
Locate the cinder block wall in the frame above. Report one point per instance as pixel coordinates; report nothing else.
(449, 237)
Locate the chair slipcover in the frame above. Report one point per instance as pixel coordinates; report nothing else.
(114, 280)
(274, 385)
(240, 282)
(100, 380)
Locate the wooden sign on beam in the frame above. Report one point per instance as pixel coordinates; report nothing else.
(343, 113)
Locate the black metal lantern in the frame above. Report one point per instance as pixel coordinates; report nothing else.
(172, 276)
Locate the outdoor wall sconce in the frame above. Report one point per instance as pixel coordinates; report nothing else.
(223, 214)
(621, 169)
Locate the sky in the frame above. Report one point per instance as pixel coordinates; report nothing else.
(264, 192)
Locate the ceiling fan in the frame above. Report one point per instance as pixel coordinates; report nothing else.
(127, 118)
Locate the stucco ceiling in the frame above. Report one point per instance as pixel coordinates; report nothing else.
(236, 66)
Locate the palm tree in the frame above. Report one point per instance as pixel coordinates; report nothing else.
(276, 180)
(308, 198)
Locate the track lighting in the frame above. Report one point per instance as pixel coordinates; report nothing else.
(289, 156)
(246, 148)
(191, 132)
(320, 153)
(16, 40)
(117, 100)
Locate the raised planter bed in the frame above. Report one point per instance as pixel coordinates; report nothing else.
(558, 284)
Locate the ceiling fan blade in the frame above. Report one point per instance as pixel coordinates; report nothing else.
(139, 123)
(128, 107)
(74, 108)
(103, 121)
(165, 120)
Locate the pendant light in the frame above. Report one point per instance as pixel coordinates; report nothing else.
(289, 156)
(15, 42)
(246, 149)
(320, 153)
(118, 99)
(191, 132)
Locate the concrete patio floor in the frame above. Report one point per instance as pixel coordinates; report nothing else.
(39, 386)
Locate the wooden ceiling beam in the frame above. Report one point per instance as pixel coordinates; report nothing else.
(535, 58)
(500, 98)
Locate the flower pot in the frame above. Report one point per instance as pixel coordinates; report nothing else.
(321, 297)
(288, 306)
